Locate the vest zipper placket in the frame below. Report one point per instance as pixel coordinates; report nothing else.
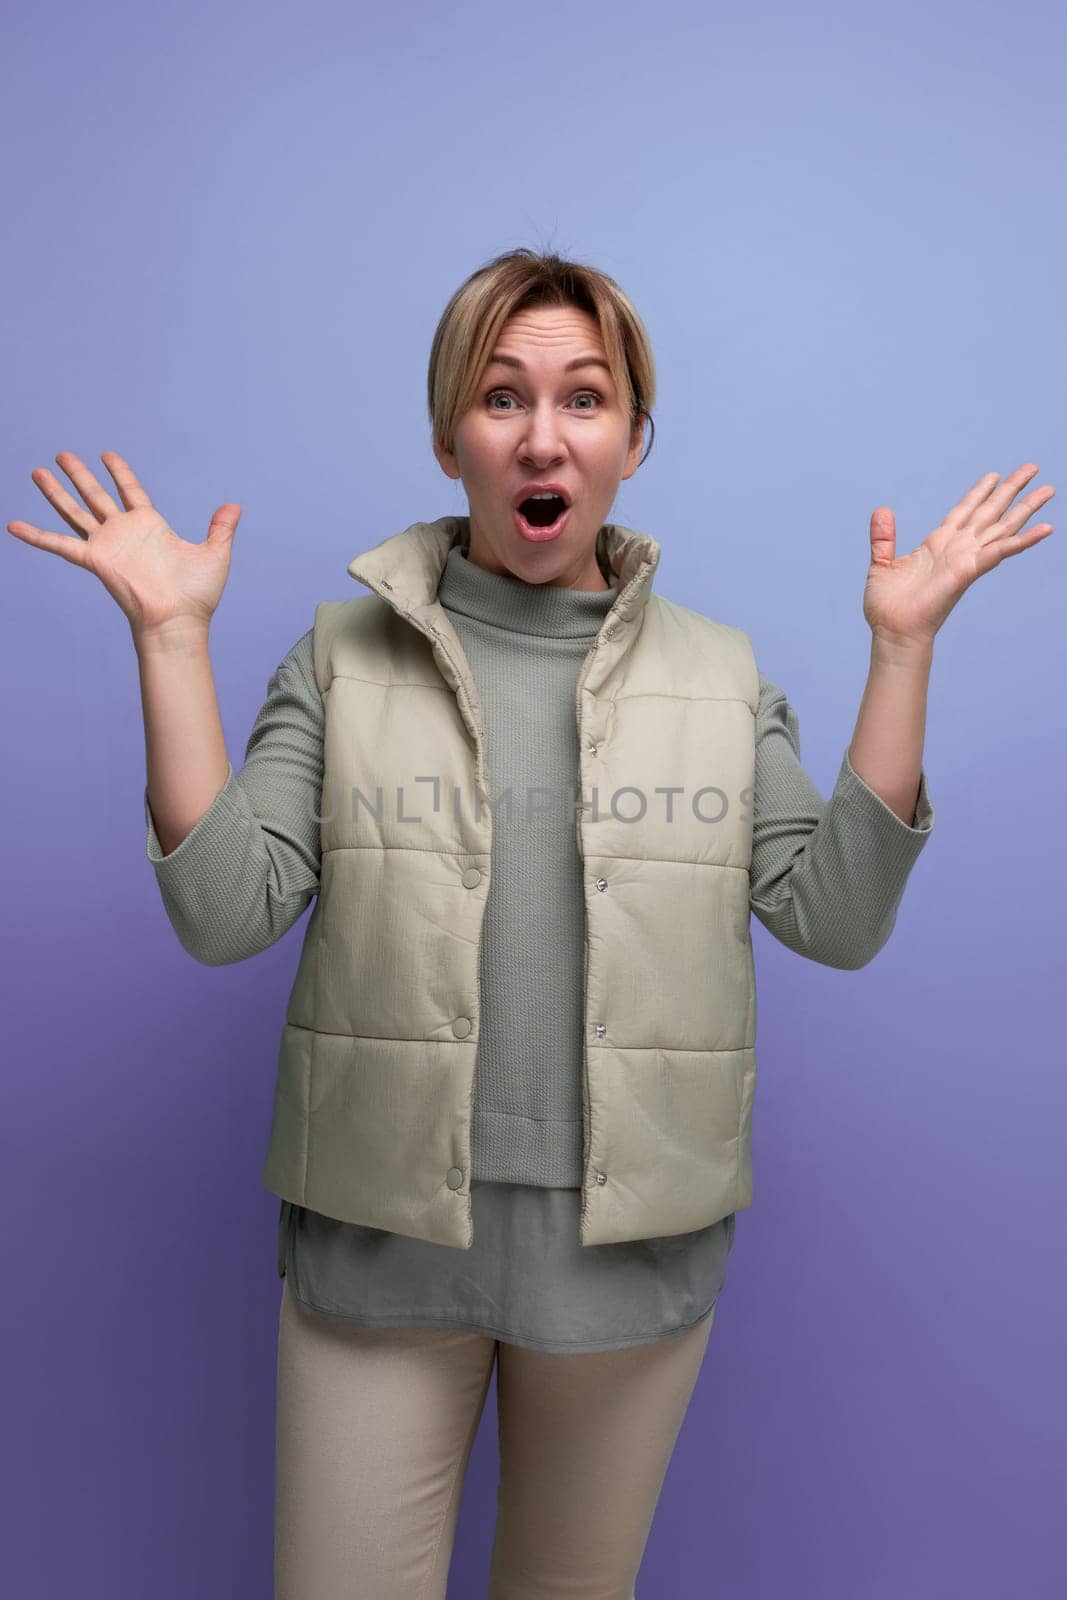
(587, 1132)
(607, 632)
(476, 726)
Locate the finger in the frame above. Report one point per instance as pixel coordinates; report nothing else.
(1011, 543)
(224, 524)
(883, 535)
(129, 485)
(59, 544)
(965, 508)
(94, 494)
(72, 513)
(1011, 521)
(995, 504)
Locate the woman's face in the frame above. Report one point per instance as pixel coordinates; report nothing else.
(546, 412)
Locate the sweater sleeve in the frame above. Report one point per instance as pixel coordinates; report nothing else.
(826, 877)
(248, 869)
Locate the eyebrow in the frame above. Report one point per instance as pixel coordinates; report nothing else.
(579, 361)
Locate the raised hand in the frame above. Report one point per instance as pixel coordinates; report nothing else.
(156, 577)
(907, 598)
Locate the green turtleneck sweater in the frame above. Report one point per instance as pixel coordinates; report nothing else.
(825, 878)
(526, 643)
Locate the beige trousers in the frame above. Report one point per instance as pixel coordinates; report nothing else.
(374, 1433)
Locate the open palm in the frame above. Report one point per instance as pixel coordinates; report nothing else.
(154, 575)
(908, 597)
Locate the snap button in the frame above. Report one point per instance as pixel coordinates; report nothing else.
(592, 749)
(601, 1030)
(471, 878)
(601, 1177)
(454, 1177)
(461, 1027)
(602, 883)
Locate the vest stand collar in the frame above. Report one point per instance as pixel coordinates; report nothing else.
(406, 569)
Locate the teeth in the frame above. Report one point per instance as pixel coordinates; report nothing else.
(543, 497)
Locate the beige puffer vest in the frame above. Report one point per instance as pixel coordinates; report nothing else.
(376, 1069)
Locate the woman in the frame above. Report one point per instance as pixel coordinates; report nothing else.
(512, 1120)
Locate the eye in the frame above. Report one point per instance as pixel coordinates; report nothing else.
(581, 394)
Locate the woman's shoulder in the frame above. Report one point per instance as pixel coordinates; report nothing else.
(690, 618)
(769, 691)
(697, 624)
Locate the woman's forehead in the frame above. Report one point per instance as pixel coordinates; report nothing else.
(571, 342)
(551, 325)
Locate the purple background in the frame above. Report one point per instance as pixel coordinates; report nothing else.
(231, 231)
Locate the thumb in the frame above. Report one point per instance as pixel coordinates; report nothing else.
(224, 524)
(883, 536)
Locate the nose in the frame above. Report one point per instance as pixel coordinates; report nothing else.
(544, 435)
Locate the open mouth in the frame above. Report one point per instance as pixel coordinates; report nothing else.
(541, 511)
(541, 516)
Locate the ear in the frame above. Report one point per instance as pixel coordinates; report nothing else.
(446, 460)
(633, 455)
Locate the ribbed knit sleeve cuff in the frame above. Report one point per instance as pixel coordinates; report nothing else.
(205, 847)
(866, 806)
(846, 885)
(216, 884)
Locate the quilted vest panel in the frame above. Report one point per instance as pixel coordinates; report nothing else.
(377, 1061)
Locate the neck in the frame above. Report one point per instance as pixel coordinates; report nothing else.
(589, 579)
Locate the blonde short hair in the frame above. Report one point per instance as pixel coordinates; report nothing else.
(474, 317)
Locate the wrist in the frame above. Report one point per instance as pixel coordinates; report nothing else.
(176, 636)
(901, 650)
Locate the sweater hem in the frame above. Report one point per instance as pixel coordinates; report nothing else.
(456, 1323)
